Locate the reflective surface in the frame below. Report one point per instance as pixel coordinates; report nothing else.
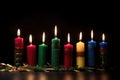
(55, 76)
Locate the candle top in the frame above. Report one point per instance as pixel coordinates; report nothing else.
(43, 37)
(68, 45)
(43, 44)
(68, 38)
(92, 42)
(103, 44)
(18, 32)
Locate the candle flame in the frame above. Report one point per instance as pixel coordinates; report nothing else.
(30, 38)
(103, 37)
(68, 38)
(18, 32)
(80, 36)
(55, 30)
(43, 37)
(91, 34)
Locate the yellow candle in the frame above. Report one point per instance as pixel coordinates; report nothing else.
(80, 49)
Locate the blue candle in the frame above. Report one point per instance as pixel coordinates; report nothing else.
(103, 50)
(91, 51)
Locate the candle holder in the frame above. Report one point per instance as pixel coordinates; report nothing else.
(18, 57)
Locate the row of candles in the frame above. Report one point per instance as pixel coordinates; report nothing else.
(55, 51)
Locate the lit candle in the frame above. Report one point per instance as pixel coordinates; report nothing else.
(19, 45)
(55, 50)
(42, 52)
(19, 41)
(31, 53)
(80, 49)
(68, 50)
(91, 51)
(103, 50)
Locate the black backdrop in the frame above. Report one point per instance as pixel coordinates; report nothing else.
(36, 19)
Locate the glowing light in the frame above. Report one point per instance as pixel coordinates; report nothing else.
(103, 37)
(18, 32)
(68, 38)
(55, 30)
(80, 36)
(91, 34)
(43, 37)
(30, 38)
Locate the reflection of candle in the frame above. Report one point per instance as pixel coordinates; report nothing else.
(19, 45)
(103, 49)
(31, 53)
(68, 50)
(42, 51)
(55, 50)
(80, 49)
(91, 51)
(19, 41)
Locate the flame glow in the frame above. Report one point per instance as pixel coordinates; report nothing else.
(68, 38)
(18, 32)
(43, 37)
(91, 34)
(80, 36)
(103, 37)
(55, 30)
(30, 38)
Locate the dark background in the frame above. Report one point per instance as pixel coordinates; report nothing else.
(36, 18)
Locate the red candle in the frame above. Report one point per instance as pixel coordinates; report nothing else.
(19, 41)
(68, 50)
(31, 53)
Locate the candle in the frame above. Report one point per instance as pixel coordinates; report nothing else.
(31, 53)
(80, 49)
(68, 50)
(55, 48)
(19, 45)
(42, 52)
(103, 50)
(91, 51)
(19, 41)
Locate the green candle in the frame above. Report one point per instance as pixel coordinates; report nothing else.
(55, 50)
(42, 51)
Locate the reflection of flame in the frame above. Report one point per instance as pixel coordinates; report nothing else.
(80, 76)
(42, 77)
(68, 38)
(18, 32)
(68, 77)
(104, 77)
(80, 36)
(30, 77)
(30, 38)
